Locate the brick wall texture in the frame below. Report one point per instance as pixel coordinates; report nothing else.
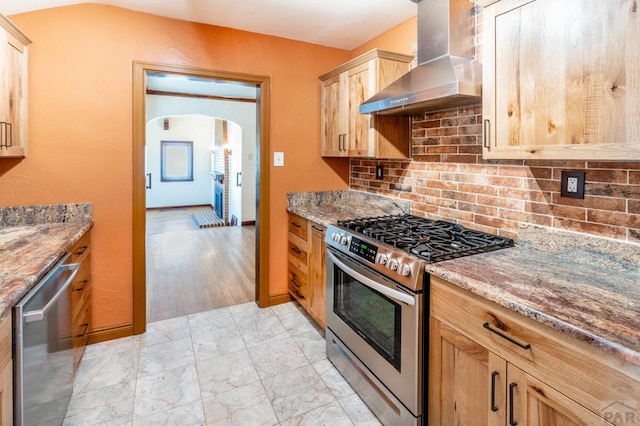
(448, 179)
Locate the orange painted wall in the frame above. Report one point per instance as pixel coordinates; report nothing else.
(399, 39)
(80, 124)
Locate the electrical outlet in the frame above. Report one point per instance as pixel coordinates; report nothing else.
(572, 184)
(379, 172)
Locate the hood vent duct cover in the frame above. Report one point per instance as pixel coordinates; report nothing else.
(447, 75)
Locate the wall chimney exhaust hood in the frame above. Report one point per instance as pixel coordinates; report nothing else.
(447, 75)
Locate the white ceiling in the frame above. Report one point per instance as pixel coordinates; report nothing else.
(345, 24)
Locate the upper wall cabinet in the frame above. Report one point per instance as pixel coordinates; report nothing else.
(561, 79)
(346, 132)
(13, 94)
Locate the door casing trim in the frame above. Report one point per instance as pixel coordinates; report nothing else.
(140, 70)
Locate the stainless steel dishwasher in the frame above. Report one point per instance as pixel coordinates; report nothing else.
(43, 349)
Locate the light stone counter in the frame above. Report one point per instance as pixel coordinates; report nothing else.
(32, 240)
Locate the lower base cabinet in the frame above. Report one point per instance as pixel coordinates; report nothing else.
(81, 297)
(491, 366)
(307, 266)
(6, 371)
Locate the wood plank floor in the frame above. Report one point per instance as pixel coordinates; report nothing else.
(191, 270)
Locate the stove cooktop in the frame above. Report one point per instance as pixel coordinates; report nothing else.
(429, 240)
(399, 247)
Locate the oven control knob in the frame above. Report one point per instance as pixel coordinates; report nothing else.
(392, 264)
(381, 259)
(335, 237)
(404, 269)
(343, 240)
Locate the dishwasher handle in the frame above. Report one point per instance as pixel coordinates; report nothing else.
(38, 314)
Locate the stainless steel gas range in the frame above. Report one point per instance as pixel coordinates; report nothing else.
(378, 305)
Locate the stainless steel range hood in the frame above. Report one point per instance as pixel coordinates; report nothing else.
(446, 75)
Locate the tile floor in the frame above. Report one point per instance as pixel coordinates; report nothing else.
(234, 366)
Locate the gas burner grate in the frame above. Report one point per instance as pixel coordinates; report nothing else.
(430, 240)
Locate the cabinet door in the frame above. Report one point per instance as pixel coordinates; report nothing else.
(12, 106)
(334, 116)
(460, 380)
(6, 394)
(559, 80)
(317, 275)
(359, 142)
(533, 403)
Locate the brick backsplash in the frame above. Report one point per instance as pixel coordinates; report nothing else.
(448, 179)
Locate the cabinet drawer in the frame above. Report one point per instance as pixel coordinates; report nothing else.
(298, 226)
(80, 287)
(298, 254)
(297, 285)
(81, 248)
(575, 368)
(81, 327)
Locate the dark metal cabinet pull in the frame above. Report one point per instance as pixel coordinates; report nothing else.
(86, 327)
(81, 250)
(295, 249)
(317, 229)
(512, 421)
(494, 408)
(296, 225)
(504, 336)
(83, 285)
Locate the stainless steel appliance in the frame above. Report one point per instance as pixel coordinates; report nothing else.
(378, 305)
(447, 74)
(43, 349)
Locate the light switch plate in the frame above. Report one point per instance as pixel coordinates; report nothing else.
(278, 159)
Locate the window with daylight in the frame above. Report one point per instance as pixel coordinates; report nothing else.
(176, 161)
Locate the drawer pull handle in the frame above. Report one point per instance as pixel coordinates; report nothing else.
(512, 421)
(83, 285)
(485, 134)
(296, 225)
(81, 250)
(86, 327)
(504, 336)
(318, 229)
(494, 408)
(296, 283)
(296, 250)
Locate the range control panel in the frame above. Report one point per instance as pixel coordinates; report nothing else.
(363, 249)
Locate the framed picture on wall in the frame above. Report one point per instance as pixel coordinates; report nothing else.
(176, 161)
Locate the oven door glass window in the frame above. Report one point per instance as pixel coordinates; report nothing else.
(372, 315)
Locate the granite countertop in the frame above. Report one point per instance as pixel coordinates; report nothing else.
(588, 292)
(32, 240)
(587, 287)
(326, 208)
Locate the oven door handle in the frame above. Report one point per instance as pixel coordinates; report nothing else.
(394, 294)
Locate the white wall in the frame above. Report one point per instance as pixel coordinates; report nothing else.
(197, 129)
(236, 201)
(242, 113)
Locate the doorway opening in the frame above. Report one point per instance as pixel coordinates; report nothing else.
(141, 73)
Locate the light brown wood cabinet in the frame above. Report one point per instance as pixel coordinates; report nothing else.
(6, 371)
(13, 96)
(560, 79)
(307, 265)
(81, 297)
(346, 132)
(491, 366)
